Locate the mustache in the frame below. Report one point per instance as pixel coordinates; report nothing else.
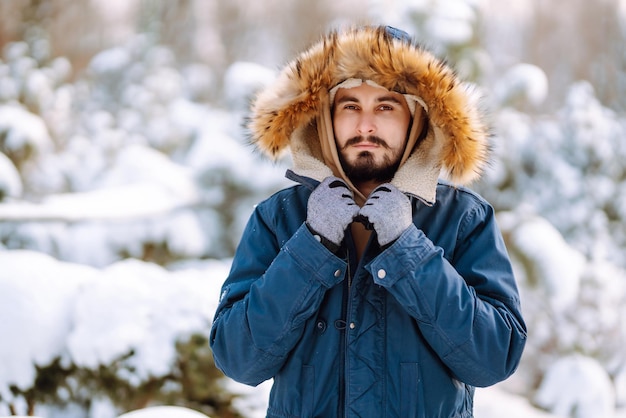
(376, 140)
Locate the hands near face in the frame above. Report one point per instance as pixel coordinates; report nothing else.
(388, 211)
(332, 208)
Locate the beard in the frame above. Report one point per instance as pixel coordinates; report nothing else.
(365, 168)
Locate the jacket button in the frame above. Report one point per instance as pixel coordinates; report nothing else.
(321, 326)
(352, 325)
(381, 274)
(338, 273)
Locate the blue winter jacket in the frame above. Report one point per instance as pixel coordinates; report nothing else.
(408, 332)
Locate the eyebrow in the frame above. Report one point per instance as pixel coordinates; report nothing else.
(381, 99)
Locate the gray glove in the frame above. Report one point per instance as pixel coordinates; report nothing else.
(331, 209)
(388, 211)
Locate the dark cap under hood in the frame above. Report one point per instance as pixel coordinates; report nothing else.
(294, 112)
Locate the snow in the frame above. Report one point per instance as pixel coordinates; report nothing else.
(558, 265)
(120, 202)
(242, 79)
(446, 21)
(522, 82)
(23, 129)
(495, 402)
(451, 22)
(10, 181)
(110, 61)
(37, 313)
(151, 309)
(577, 386)
(164, 412)
(90, 317)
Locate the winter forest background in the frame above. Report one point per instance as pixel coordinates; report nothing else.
(126, 180)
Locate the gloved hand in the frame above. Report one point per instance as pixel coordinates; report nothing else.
(331, 209)
(388, 211)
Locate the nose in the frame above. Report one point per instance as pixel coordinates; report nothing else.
(365, 124)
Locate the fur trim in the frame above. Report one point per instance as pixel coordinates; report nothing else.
(371, 53)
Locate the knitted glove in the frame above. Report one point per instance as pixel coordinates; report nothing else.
(388, 211)
(331, 209)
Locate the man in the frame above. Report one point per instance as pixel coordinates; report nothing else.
(371, 288)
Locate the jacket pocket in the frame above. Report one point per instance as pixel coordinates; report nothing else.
(411, 404)
(308, 391)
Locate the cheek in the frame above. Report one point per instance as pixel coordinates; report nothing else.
(399, 136)
(342, 134)
(339, 140)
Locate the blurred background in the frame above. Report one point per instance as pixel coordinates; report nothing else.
(126, 179)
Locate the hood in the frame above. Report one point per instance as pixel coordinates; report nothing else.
(448, 137)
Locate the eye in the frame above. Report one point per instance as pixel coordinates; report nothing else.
(385, 107)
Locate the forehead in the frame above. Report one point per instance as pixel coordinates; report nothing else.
(366, 92)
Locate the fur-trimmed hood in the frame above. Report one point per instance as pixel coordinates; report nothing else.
(294, 112)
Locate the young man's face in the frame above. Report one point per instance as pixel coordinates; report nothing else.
(371, 126)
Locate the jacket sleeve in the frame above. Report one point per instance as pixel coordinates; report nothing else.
(467, 308)
(268, 296)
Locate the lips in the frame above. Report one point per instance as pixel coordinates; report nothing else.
(366, 145)
(371, 142)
